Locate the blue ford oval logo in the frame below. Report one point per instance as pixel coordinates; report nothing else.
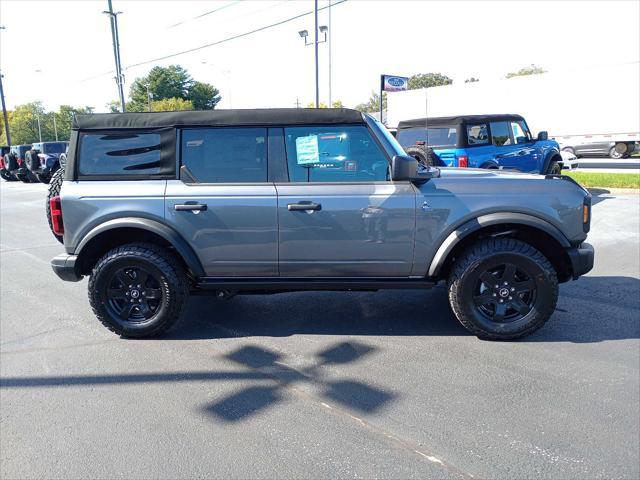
(395, 81)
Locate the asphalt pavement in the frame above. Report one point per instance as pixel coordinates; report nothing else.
(317, 385)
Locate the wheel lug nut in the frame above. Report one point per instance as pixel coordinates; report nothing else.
(138, 286)
(501, 300)
(130, 286)
(510, 298)
(126, 293)
(513, 289)
(495, 295)
(132, 300)
(144, 293)
(506, 283)
(497, 286)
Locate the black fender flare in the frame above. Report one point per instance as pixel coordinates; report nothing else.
(490, 165)
(547, 161)
(169, 234)
(487, 220)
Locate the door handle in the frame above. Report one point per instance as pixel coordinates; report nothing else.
(191, 207)
(297, 207)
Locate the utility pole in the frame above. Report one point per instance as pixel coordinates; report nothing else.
(113, 17)
(55, 126)
(4, 113)
(315, 8)
(329, 45)
(39, 129)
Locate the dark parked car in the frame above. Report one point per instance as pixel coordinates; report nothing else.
(155, 206)
(16, 163)
(43, 160)
(601, 148)
(4, 160)
(480, 141)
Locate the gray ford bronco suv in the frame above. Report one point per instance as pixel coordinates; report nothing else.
(155, 206)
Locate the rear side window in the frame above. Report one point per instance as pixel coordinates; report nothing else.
(500, 133)
(225, 155)
(127, 153)
(477, 134)
(337, 153)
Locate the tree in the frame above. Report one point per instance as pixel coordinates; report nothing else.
(171, 105)
(426, 80)
(23, 123)
(162, 83)
(531, 70)
(472, 80)
(336, 104)
(203, 96)
(373, 105)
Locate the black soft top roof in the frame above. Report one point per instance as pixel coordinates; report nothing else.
(457, 120)
(253, 117)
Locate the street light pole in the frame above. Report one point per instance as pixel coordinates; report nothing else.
(4, 113)
(113, 17)
(316, 52)
(55, 126)
(329, 45)
(39, 129)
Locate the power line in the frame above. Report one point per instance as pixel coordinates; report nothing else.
(228, 39)
(205, 14)
(235, 37)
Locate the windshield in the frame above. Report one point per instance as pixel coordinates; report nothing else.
(437, 136)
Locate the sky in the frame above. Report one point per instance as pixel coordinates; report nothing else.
(60, 52)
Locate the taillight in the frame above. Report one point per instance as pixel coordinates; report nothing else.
(463, 161)
(55, 207)
(20, 162)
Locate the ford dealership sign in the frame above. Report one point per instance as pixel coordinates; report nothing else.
(391, 83)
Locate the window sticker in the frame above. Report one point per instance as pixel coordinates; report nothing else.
(307, 152)
(194, 143)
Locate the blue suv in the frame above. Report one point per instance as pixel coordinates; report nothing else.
(480, 141)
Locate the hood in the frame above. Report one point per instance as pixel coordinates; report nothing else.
(450, 172)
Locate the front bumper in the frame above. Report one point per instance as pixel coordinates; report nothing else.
(581, 259)
(66, 267)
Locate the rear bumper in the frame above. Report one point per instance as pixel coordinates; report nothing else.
(581, 259)
(66, 267)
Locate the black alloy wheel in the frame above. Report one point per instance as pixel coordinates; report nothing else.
(504, 293)
(133, 294)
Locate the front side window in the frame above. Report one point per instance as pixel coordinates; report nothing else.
(225, 155)
(477, 134)
(520, 132)
(500, 133)
(124, 153)
(337, 153)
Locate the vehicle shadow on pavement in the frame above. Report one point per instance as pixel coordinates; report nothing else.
(271, 381)
(388, 312)
(599, 195)
(592, 309)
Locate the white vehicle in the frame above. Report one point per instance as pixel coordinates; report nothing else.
(569, 160)
(578, 108)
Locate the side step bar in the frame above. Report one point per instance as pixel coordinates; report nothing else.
(369, 283)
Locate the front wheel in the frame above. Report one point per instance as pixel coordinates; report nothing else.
(138, 290)
(502, 289)
(7, 176)
(554, 168)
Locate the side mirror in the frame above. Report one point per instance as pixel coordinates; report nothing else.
(542, 136)
(405, 167)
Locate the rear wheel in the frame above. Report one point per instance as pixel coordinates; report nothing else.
(55, 184)
(502, 289)
(138, 290)
(613, 153)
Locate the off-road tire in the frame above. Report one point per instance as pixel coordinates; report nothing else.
(554, 168)
(55, 184)
(43, 177)
(7, 176)
(31, 160)
(170, 276)
(475, 260)
(421, 153)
